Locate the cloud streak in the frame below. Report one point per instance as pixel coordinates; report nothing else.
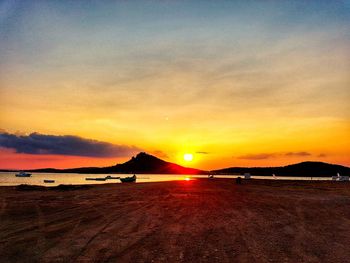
(36, 143)
(298, 154)
(264, 156)
(259, 156)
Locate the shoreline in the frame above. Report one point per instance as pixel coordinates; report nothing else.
(199, 220)
(82, 179)
(232, 180)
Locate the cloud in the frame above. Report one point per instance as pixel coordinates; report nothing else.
(262, 156)
(201, 152)
(322, 155)
(298, 154)
(36, 143)
(259, 156)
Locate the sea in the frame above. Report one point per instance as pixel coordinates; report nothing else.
(9, 178)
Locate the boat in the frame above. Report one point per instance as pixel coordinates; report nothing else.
(340, 178)
(112, 177)
(100, 179)
(95, 179)
(23, 174)
(131, 179)
(49, 181)
(247, 176)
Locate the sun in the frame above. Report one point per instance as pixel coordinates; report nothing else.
(188, 157)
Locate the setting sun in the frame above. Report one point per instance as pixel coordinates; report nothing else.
(188, 157)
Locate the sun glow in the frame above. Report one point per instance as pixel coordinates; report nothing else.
(188, 157)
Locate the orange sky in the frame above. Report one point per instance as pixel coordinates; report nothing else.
(236, 84)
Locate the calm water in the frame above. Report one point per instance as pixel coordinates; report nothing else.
(70, 178)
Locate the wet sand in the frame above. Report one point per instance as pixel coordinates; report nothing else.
(181, 221)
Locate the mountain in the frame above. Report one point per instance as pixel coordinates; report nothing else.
(308, 169)
(142, 163)
(146, 163)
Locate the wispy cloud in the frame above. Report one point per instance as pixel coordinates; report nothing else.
(298, 154)
(36, 143)
(202, 152)
(259, 156)
(262, 156)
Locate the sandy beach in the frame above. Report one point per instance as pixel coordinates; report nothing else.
(181, 221)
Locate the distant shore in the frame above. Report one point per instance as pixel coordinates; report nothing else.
(200, 220)
(144, 163)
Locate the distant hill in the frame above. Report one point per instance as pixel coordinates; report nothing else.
(308, 169)
(143, 163)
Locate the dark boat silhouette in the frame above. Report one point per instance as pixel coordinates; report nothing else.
(96, 179)
(131, 179)
(112, 177)
(23, 174)
(49, 181)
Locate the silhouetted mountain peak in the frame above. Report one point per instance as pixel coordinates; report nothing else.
(307, 168)
(142, 156)
(306, 163)
(141, 163)
(143, 159)
(147, 163)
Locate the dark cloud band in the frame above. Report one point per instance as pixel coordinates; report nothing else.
(36, 143)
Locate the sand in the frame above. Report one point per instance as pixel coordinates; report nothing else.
(182, 221)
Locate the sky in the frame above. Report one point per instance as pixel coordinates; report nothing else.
(235, 83)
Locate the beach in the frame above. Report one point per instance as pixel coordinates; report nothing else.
(201, 220)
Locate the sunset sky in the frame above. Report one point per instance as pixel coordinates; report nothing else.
(235, 83)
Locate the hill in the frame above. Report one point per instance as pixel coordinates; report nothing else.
(308, 169)
(142, 163)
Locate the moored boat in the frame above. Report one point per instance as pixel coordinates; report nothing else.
(247, 176)
(48, 181)
(23, 174)
(131, 179)
(100, 179)
(112, 177)
(95, 179)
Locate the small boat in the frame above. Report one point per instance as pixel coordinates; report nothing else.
(247, 176)
(112, 177)
(48, 181)
(95, 179)
(340, 178)
(131, 179)
(23, 174)
(100, 179)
